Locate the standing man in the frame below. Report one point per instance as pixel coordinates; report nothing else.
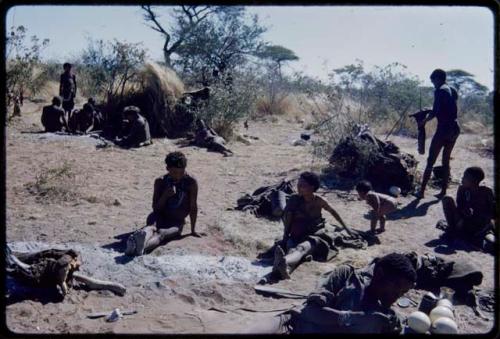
(445, 110)
(67, 89)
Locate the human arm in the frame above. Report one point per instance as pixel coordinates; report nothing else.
(334, 213)
(287, 221)
(65, 124)
(193, 206)
(437, 105)
(74, 81)
(462, 206)
(334, 320)
(161, 194)
(91, 125)
(329, 284)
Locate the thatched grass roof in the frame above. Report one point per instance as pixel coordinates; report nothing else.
(156, 93)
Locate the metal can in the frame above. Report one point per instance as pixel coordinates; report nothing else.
(427, 304)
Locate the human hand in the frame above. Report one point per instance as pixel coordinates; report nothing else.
(321, 299)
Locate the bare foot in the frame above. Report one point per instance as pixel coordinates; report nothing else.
(140, 240)
(280, 266)
(131, 246)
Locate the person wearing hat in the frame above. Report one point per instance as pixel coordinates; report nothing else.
(139, 134)
(447, 132)
(53, 119)
(67, 88)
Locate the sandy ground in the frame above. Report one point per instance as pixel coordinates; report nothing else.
(109, 195)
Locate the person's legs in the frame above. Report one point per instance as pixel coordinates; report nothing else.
(382, 223)
(285, 264)
(434, 149)
(298, 253)
(373, 220)
(450, 213)
(447, 149)
(160, 236)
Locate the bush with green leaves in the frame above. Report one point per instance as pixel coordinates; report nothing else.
(107, 67)
(231, 99)
(23, 64)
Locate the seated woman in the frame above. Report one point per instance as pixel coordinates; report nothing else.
(471, 217)
(174, 198)
(349, 300)
(302, 220)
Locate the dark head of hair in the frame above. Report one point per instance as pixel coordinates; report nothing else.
(438, 74)
(364, 186)
(87, 107)
(56, 100)
(476, 173)
(67, 65)
(396, 264)
(91, 101)
(312, 179)
(176, 160)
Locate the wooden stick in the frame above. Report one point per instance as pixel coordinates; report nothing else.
(95, 284)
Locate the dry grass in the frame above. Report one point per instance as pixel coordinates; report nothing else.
(49, 90)
(473, 127)
(55, 184)
(162, 81)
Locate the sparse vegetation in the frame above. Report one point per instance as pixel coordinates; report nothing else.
(54, 184)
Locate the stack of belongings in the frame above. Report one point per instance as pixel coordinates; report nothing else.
(267, 201)
(52, 268)
(361, 155)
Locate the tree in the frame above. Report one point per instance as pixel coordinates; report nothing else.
(221, 43)
(277, 54)
(186, 18)
(110, 66)
(22, 60)
(464, 83)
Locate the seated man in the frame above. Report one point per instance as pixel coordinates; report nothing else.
(349, 300)
(381, 204)
(471, 217)
(206, 137)
(53, 119)
(82, 121)
(98, 120)
(302, 220)
(139, 134)
(174, 198)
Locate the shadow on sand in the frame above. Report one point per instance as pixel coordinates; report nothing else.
(413, 209)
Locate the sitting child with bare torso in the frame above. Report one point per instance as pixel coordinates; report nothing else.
(381, 204)
(301, 218)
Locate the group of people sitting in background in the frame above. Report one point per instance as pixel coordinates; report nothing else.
(61, 116)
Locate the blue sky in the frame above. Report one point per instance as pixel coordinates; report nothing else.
(326, 37)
